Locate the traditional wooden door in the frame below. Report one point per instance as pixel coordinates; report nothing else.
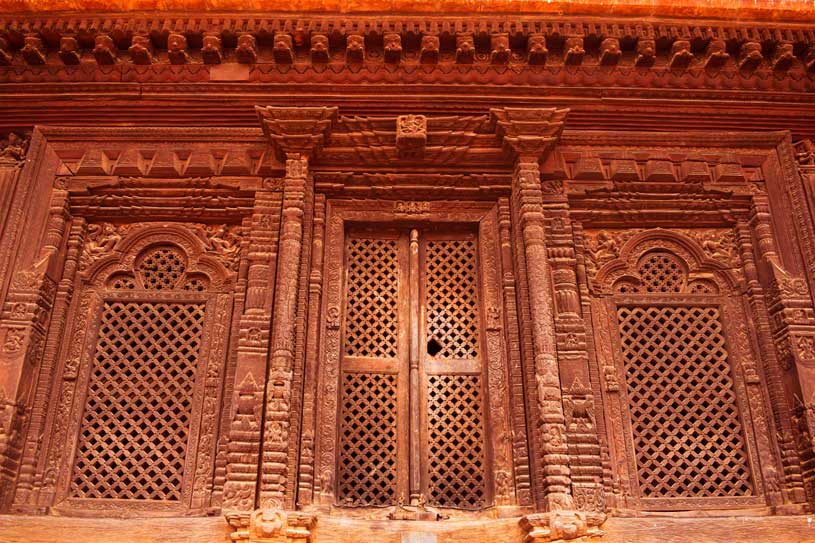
(411, 415)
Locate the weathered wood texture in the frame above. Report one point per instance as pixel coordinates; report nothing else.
(739, 529)
(352, 276)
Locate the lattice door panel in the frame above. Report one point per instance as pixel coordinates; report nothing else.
(136, 422)
(372, 292)
(368, 439)
(455, 441)
(451, 298)
(687, 432)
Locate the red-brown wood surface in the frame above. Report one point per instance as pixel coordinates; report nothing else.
(389, 270)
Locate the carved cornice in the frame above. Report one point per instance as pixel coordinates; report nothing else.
(301, 130)
(326, 47)
(792, 10)
(528, 133)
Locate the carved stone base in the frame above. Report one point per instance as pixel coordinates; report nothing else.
(561, 526)
(271, 526)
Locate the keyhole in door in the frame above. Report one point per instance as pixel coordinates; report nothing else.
(433, 347)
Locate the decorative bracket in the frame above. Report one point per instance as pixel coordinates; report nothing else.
(560, 526)
(527, 132)
(301, 130)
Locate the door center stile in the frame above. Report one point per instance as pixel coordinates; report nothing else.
(415, 354)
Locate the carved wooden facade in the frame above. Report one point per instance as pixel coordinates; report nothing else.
(407, 315)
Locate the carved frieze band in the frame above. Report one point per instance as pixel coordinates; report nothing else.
(739, 50)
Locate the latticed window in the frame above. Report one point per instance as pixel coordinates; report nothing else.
(411, 293)
(136, 423)
(686, 429)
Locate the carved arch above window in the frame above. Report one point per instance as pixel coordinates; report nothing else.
(664, 262)
(160, 257)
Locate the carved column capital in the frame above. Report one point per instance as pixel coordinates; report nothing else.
(528, 133)
(297, 130)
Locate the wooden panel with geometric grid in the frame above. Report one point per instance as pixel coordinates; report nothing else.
(370, 425)
(455, 426)
(687, 432)
(135, 428)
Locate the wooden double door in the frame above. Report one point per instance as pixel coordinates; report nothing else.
(411, 387)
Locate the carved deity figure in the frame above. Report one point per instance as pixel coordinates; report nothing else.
(606, 247)
(13, 147)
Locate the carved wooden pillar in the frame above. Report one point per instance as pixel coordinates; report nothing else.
(528, 135)
(802, 199)
(573, 358)
(509, 285)
(24, 325)
(278, 386)
(297, 133)
(39, 469)
(12, 155)
(306, 476)
(792, 325)
(790, 482)
(241, 451)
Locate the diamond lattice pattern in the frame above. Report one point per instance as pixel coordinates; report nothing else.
(455, 441)
(686, 427)
(452, 302)
(662, 273)
(367, 471)
(135, 426)
(372, 288)
(162, 267)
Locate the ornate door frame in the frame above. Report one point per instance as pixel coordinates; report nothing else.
(497, 404)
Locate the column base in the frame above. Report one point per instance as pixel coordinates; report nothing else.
(271, 526)
(562, 526)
